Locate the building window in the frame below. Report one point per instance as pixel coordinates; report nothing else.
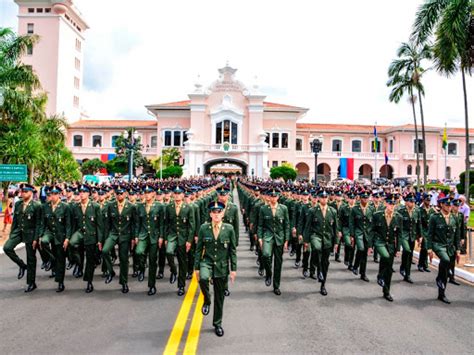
(274, 163)
(30, 28)
(77, 64)
(219, 133)
(356, 146)
(471, 148)
(168, 138)
(390, 146)
(154, 141)
(409, 170)
(420, 146)
(114, 141)
(77, 141)
(372, 148)
(177, 138)
(336, 145)
(39, 10)
(185, 137)
(31, 10)
(47, 11)
(267, 139)
(97, 141)
(284, 140)
(76, 83)
(452, 149)
(78, 45)
(29, 50)
(76, 101)
(226, 131)
(233, 138)
(275, 140)
(299, 144)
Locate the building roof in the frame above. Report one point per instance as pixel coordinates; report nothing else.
(113, 123)
(337, 127)
(185, 104)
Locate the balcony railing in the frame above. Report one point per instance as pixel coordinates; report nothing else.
(107, 150)
(413, 156)
(355, 155)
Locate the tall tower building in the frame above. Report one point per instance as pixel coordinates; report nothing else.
(58, 57)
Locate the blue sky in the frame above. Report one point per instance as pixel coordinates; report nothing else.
(329, 56)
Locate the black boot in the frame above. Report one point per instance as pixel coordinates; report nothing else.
(60, 287)
(89, 287)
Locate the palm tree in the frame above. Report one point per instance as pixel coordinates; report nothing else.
(448, 22)
(404, 76)
(411, 56)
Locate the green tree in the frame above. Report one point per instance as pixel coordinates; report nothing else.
(118, 165)
(92, 166)
(174, 171)
(448, 23)
(285, 171)
(405, 74)
(123, 152)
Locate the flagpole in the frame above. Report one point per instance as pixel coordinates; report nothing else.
(446, 154)
(375, 148)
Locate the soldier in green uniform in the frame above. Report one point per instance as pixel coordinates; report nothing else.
(274, 235)
(302, 216)
(189, 196)
(134, 200)
(387, 226)
(161, 249)
(344, 219)
(411, 231)
(443, 240)
(231, 216)
(461, 231)
(378, 206)
(360, 224)
(215, 249)
(425, 213)
(26, 228)
(56, 228)
(337, 204)
(150, 237)
(180, 226)
(257, 203)
(87, 229)
(121, 228)
(321, 231)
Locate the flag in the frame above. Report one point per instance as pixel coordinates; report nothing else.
(445, 138)
(347, 168)
(386, 157)
(376, 142)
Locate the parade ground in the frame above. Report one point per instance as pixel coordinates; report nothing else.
(353, 318)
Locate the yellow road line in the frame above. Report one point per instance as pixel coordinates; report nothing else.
(193, 336)
(181, 320)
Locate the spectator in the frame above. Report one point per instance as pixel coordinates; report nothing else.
(8, 217)
(464, 208)
(434, 197)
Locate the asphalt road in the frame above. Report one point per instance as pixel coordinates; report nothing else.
(353, 318)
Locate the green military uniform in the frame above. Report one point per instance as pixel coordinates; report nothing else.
(87, 229)
(197, 224)
(56, 229)
(150, 230)
(303, 215)
(411, 230)
(179, 231)
(26, 228)
(344, 224)
(360, 224)
(273, 231)
(321, 231)
(386, 233)
(213, 255)
(425, 214)
(121, 229)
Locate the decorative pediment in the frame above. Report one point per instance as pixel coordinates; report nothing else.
(226, 108)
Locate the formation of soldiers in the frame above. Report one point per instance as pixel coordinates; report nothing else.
(82, 227)
(317, 222)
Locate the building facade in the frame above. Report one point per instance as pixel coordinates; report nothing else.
(229, 125)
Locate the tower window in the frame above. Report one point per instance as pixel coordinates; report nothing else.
(76, 83)
(39, 10)
(31, 10)
(47, 11)
(78, 64)
(76, 101)
(30, 28)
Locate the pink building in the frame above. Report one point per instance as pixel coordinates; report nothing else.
(58, 57)
(230, 126)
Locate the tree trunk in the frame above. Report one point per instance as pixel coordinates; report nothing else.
(32, 173)
(412, 99)
(424, 140)
(466, 117)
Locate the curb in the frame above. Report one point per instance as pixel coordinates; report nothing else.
(19, 246)
(466, 275)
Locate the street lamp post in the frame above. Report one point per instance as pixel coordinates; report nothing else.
(316, 145)
(253, 172)
(130, 144)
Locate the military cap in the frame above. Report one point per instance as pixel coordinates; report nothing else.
(351, 195)
(223, 191)
(445, 200)
(390, 199)
(178, 190)
(84, 188)
(363, 194)
(120, 190)
(54, 190)
(273, 192)
(323, 194)
(27, 187)
(410, 197)
(426, 196)
(215, 205)
(148, 188)
(456, 202)
(101, 192)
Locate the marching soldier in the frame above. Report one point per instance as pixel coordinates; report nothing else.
(322, 231)
(443, 240)
(425, 213)
(274, 235)
(303, 215)
(121, 228)
(361, 230)
(461, 231)
(56, 229)
(150, 237)
(161, 249)
(180, 226)
(26, 228)
(344, 219)
(411, 231)
(215, 249)
(387, 228)
(86, 232)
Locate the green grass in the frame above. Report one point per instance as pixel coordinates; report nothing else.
(470, 223)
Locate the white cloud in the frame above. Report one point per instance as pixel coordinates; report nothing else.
(329, 56)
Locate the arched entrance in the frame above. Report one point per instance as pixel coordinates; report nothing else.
(365, 171)
(225, 165)
(386, 171)
(324, 172)
(303, 170)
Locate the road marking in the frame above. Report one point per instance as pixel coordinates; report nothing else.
(181, 320)
(193, 336)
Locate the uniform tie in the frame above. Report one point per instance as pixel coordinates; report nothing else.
(215, 230)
